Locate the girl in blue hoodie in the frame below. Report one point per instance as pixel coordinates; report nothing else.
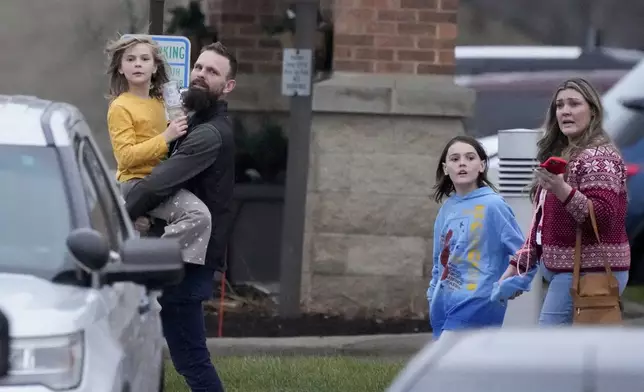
(475, 233)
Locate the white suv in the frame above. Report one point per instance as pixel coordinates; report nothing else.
(75, 282)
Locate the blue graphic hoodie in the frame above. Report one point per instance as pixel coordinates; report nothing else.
(474, 237)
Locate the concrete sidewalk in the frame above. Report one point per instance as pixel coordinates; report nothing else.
(402, 346)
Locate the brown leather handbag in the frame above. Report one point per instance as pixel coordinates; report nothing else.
(595, 295)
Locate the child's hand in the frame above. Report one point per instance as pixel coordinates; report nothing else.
(176, 129)
(142, 224)
(509, 272)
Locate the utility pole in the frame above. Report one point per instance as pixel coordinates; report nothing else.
(301, 91)
(595, 24)
(157, 11)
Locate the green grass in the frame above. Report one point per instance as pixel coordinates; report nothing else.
(634, 294)
(297, 374)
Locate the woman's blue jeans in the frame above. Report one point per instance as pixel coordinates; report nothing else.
(557, 306)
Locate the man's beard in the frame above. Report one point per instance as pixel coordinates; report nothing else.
(198, 99)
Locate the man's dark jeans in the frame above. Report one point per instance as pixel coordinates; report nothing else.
(184, 329)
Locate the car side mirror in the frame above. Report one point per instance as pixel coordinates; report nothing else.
(152, 262)
(90, 248)
(5, 346)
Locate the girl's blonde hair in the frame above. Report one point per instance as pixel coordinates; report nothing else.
(554, 143)
(115, 50)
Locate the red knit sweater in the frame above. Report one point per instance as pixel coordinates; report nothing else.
(598, 174)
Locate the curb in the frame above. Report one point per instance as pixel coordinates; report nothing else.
(404, 345)
(633, 313)
(401, 346)
(633, 307)
(393, 346)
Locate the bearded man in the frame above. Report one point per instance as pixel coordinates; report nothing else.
(203, 162)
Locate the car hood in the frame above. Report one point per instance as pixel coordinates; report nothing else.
(37, 307)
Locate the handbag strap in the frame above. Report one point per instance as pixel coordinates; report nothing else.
(527, 248)
(576, 271)
(593, 222)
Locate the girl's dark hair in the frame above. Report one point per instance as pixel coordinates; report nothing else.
(444, 185)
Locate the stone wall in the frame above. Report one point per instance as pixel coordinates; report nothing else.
(374, 148)
(370, 218)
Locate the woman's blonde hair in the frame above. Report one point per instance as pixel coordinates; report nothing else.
(554, 143)
(115, 50)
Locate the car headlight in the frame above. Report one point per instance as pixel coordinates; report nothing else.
(54, 362)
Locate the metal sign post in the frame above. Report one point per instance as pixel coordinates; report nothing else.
(156, 10)
(297, 75)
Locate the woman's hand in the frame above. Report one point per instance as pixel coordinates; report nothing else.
(554, 183)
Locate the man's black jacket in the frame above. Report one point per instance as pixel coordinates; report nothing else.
(203, 162)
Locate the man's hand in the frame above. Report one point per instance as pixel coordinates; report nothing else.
(142, 224)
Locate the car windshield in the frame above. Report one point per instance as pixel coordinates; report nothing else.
(34, 209)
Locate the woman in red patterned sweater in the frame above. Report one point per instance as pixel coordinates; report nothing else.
(596, 172)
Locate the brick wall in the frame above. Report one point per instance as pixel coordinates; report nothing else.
(240, 24)
(395, 36)
(240, 27)
(383, 36)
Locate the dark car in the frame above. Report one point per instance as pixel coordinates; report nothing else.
(514, 84)
(520, 99)
(624, 122)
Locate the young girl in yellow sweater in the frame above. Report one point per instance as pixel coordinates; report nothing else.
(140, 136)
